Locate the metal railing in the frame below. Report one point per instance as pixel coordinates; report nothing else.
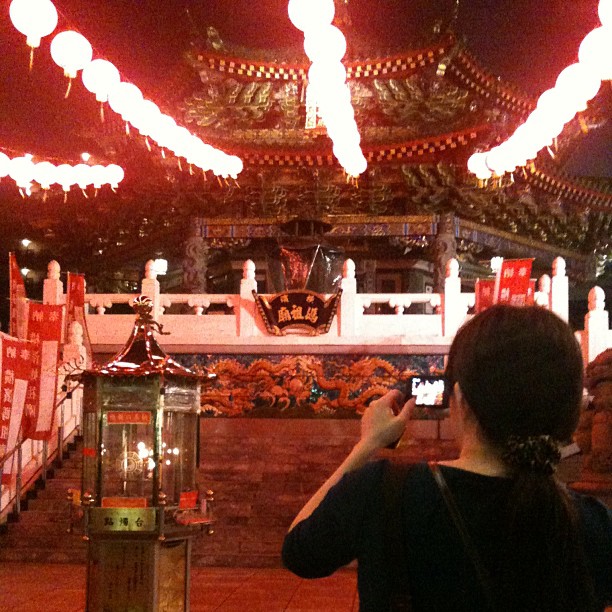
(37, 467)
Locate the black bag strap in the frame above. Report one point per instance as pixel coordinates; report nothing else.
(481, 571)
(394, 475)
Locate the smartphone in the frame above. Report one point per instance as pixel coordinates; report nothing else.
(429, 391)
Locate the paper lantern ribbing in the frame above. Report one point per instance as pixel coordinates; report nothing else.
(308, 14)
(100, 77)
(34, 18)
(71, 51)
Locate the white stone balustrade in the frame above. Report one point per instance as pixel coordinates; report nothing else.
(241, 330)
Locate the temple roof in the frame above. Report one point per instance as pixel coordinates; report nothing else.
(418, 129)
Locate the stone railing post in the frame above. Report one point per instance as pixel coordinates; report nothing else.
(559, 291)
(53, 288)
(453, 307)
(596, 322)
(542, 296)
(348, 300)
(150, 288)
(245, 314)
(74, 351)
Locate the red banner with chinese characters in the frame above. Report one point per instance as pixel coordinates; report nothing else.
(512, 284)
(15, 365)
(484, 289)
(17, 293)
(75, 307)
(45, 331)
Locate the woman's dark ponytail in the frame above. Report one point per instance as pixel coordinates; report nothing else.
(520, 371)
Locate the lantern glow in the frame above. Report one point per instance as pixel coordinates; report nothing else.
(71, 51)
(34, 18)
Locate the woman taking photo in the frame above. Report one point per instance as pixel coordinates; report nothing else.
(491, 530)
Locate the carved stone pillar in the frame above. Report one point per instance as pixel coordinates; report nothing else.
(369, 283)
(195, 263)
(444, 248)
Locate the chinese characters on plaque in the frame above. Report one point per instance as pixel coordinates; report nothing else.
(303, 312)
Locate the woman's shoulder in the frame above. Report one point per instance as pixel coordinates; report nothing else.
(594, 513)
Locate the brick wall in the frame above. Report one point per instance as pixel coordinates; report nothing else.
(262, 471)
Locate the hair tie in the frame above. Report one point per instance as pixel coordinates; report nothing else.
(538, 454)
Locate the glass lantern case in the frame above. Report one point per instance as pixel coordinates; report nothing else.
(139, 490)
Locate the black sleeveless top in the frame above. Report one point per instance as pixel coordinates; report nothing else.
(349, 525)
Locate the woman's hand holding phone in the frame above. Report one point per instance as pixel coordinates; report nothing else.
(385, 419)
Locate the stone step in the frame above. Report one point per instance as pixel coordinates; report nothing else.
(59, 504)
(58, 538)
(44, 517)
(44, 555)
(58, 487)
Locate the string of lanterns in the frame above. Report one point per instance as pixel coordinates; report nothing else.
(25, 171)
(325, 46)
(576, 85)
(73, 52)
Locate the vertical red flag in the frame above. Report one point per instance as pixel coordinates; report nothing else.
(484, 290)
(45, 331)
(17, 292)
(512, 283)
(15, 357)
(75, 306)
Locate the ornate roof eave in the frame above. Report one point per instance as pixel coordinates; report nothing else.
(395, 65)
(570, 189)
(422, 150)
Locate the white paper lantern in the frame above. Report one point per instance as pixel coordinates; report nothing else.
(34, 18)
(596, 52)
(100, 77)
(605, 13)
(44, 172)
(308, 14)
(4, 165)
(325, 44)
(114, 175)
(83, 175)
(71, 51)
(65, 176)
(21, 170)
(125, 98)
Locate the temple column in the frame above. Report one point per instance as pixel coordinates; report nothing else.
(195, 262)
(444, 249)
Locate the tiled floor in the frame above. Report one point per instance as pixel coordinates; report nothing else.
(26, 587)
